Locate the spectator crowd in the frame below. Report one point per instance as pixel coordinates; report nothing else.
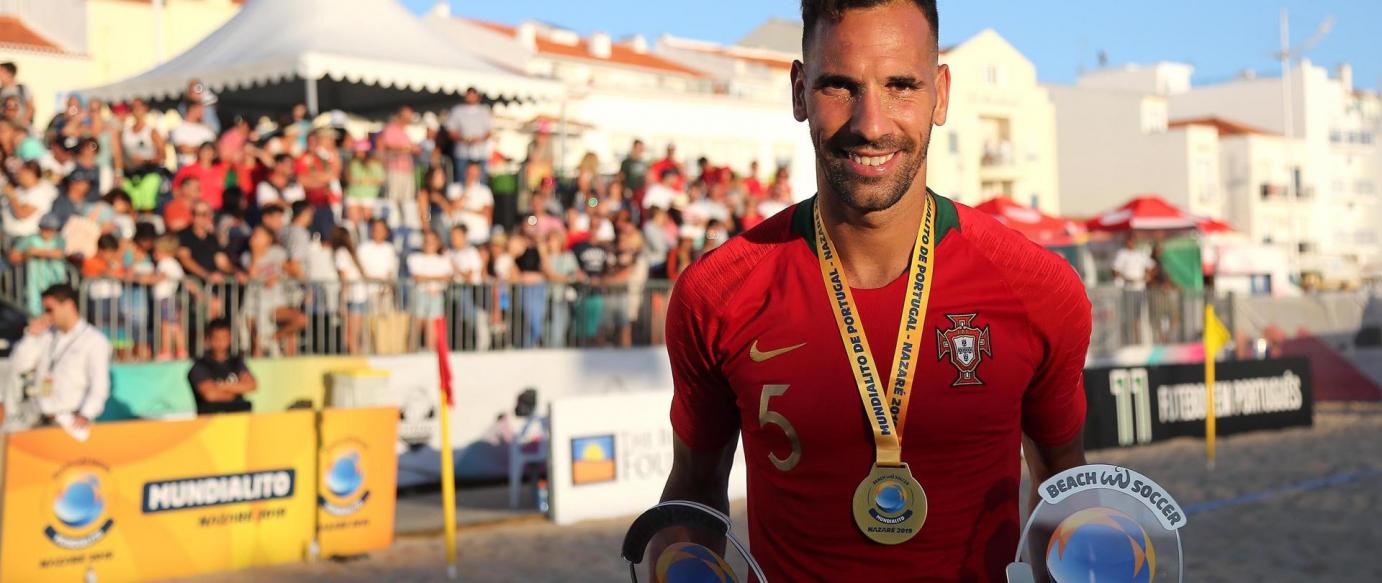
(277, 226)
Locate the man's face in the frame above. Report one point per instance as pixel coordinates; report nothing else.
(194, 112)
(191, 189)
(638, 149)
(64, 314)
(274, 221)
(218, 341)
(472, 97)
(202, 217)
(78, 189)
(299, 111)
(871, 90)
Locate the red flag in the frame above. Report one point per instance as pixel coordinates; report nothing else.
(443, 361)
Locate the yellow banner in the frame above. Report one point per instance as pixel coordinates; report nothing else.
(296, 383)
(157, 499)
(359, 476)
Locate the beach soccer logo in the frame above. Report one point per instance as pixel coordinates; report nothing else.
(343, 489)
(80, 506)
(1101, 523)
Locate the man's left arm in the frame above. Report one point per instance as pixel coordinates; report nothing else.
(245, 382)
(1053, 408)
(98, 379)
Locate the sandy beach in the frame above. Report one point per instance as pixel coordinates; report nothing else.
(1286, 506)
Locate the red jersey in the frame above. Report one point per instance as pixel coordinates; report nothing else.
(755, 349)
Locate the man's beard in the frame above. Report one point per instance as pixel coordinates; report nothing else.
(868, 194)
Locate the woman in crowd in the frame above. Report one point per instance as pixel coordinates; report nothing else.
(365, 176)
(354, 294)
(144, 155)
(431, 272)
(470, 298)
(274, 322)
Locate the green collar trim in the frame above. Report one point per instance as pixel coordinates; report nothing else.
(803, 223)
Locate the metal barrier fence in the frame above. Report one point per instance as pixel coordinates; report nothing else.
(1123, 318)
(286, 318)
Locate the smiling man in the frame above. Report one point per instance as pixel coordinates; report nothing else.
(882, 350)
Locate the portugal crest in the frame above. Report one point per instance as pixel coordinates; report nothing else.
(966, 346)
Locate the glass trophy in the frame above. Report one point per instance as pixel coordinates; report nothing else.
(687, 542)
(1100, 523)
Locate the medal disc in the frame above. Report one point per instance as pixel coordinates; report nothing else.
(889, 505)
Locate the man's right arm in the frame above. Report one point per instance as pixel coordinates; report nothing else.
(700, 475)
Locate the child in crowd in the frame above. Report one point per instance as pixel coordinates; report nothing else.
(172, 339)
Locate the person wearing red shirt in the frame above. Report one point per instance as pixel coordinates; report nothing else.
(753, 185)
(210, 173)
(669, 161)
(876, 338)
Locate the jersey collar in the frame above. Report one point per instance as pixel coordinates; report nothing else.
(947, 219)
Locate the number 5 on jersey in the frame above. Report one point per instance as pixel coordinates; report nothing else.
(766, 417)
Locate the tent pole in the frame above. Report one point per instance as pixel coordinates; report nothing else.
(311, 96)
(561, 149)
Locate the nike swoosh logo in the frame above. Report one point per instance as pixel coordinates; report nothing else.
(759, 356)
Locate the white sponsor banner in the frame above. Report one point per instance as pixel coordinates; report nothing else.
(486, 386)
(611, 455)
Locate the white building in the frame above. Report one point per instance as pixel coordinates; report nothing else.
(999, 137)
(1308, 187)
(1328, 183)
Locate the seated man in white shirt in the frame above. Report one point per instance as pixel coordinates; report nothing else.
(661, 193)
(64, 363)
(191, 134)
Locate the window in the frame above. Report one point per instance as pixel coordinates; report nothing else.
(992, 75)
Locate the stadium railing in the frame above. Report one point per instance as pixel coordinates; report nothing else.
(388, 318)
(370, 318)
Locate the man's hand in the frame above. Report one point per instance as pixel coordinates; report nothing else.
(79, 422)
(39, 325)
(215, 277)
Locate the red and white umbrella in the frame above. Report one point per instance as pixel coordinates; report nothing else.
(1042, 228)
(1144, 213)
(1211, 226)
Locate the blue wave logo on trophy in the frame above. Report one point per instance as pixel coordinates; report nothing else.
(1101, 523)
(80, 505)
(686, 562)
(1100, 544)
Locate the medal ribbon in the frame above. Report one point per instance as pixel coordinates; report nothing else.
(884, 405)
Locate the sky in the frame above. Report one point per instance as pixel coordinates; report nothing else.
(1220, 37)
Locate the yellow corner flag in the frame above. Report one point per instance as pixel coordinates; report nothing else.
(1216, 336)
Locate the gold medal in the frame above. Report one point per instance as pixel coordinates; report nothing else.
(889, 505)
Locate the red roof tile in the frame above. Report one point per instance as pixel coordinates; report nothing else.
(619, 54)
(14, 32)
(1223, 126)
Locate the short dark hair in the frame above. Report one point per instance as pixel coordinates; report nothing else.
(834, 10)
(217, 324)
(107, 242)
(10, 66)
(270, 211)
(300, 208)
(60, 292)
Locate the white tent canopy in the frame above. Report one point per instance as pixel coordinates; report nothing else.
(363, 56)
